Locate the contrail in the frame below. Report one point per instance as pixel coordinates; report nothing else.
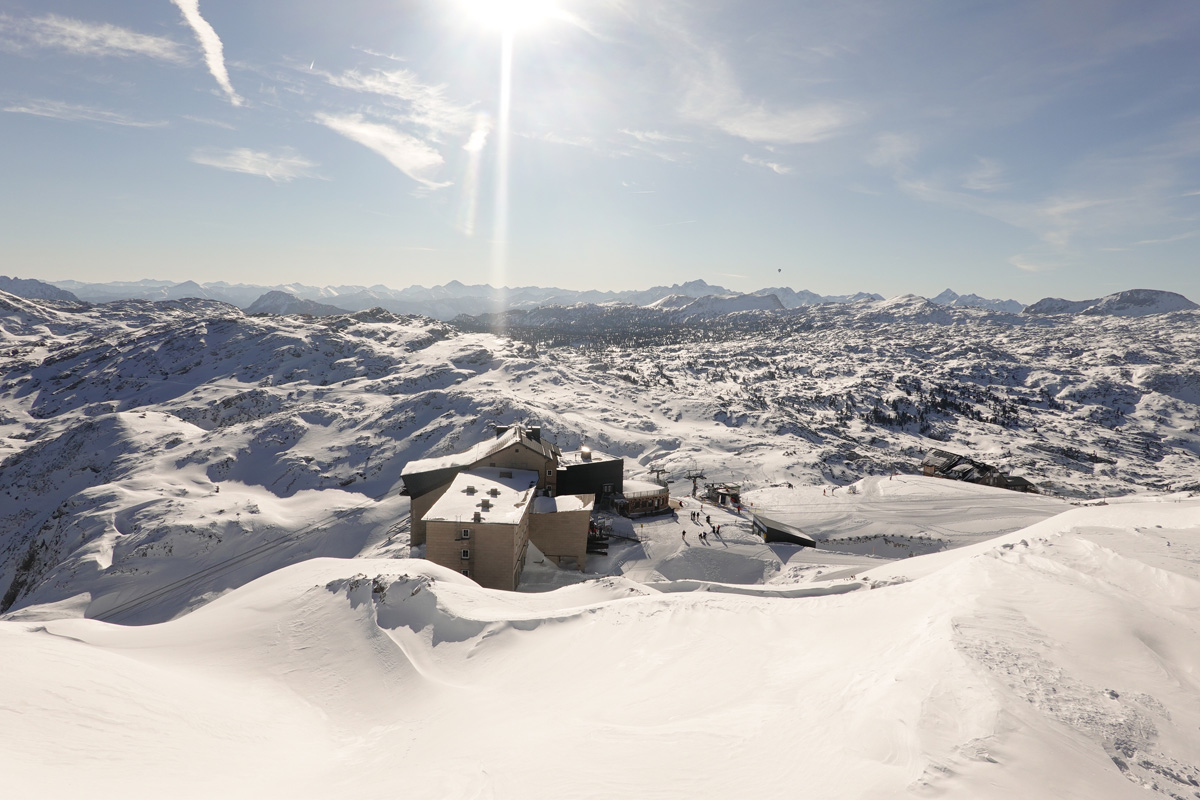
(214, 52)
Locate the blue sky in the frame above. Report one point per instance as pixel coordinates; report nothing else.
(1018, 149)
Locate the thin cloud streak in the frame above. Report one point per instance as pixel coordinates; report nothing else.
(216, 123)
(83, 38)
(1169, 240)
(214, 51)
(778, 169)
(713, 98)
(425, 105)
(280, 167)
(408, 154)
(69, 112)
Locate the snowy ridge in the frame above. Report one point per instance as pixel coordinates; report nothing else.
(1131, 303)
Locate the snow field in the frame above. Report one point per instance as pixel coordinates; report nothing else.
(1023, 667)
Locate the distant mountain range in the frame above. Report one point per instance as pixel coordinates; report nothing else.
(950, 298)
(456, 299)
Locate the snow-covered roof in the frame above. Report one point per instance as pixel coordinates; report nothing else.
(940, 459)
(642, 487)
(467, 457)
(501, 496)
(563, 502)
(573, 457)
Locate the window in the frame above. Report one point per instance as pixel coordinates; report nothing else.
(466, 553)
(506, 473)
(549, 473)
(466, 572)
(466, 533)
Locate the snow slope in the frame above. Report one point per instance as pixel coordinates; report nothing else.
(1057, 661)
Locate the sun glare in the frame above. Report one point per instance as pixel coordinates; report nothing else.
(509, 16)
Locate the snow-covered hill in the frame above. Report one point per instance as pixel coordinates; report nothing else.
(1131, 303)
(1057, 661)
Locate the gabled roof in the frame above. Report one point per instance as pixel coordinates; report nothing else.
(940, 460)
(466, 458)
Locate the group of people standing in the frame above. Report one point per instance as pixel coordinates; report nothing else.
(696, 515)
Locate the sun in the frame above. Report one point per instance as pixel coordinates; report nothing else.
(510, 16)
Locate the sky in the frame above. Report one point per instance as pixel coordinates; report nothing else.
(1017, 150)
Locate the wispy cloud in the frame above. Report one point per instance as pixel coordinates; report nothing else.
(552, 137)
(378, 54)
(410, 155)
(1169, 239)
(777, 168)
(986, 177)
(713, 98)
(75, 113)
(1026, 264)
(421, 103)
(216, 123)
(655, 137)
(281, 167)
(85, 38)
(893, 150)
(214, 51)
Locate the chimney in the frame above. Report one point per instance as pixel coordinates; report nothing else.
(535, 433)
(585, 454)
(470, 490)
(485, 504)
(501, 430)
(478, 517)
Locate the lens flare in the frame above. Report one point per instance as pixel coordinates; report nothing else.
(510, 16)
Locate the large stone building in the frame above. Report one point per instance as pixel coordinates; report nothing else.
(478, 510)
